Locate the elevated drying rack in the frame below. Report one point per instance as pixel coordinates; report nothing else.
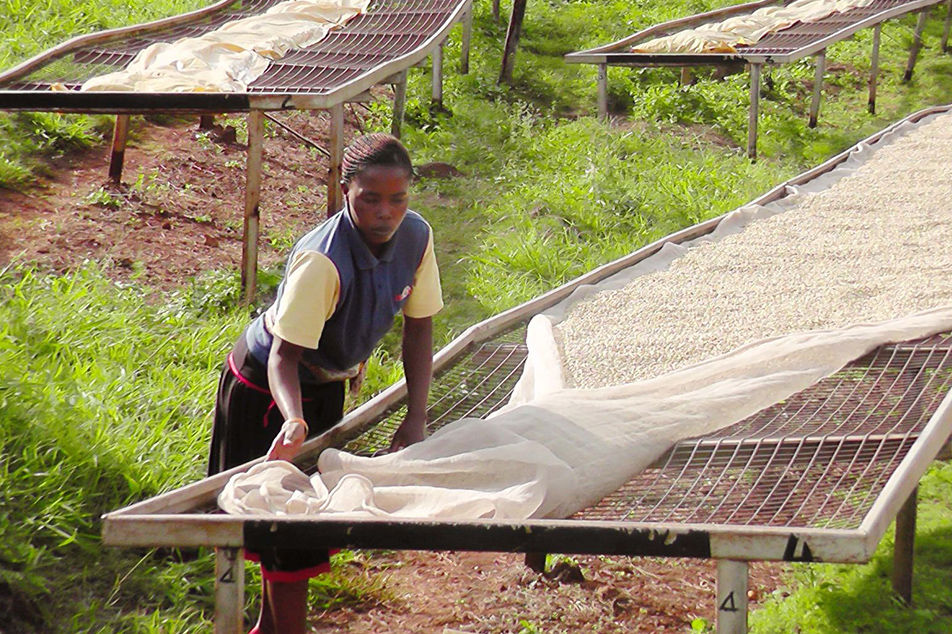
(818, 477)
(782, 47)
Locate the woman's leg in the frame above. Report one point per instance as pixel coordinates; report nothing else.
(283, 607)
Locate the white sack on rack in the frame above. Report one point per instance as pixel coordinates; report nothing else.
(745, 30)
(230, 58)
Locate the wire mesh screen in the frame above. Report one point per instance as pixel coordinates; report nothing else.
(817, 460)
(390, 29)
(476, 385)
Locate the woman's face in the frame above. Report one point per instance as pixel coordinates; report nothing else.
(378, 199)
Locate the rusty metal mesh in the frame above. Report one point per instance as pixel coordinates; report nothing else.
(389, 30)
(802, 35)
(818, 459)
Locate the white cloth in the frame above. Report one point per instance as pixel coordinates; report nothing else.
(564, 450)
(744, 30)
(231, 57)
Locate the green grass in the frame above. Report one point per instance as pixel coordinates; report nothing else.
(96, 410)
(106, 390)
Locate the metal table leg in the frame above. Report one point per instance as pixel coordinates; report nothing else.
(399, 104)
(916, 45)
(249, 251)
(731, 597)
(754, 114)
(229, 590)
(437, 76)
(817, 87)
(874, 68)
(602, 92)
(903, 553)
(944, 44)
(467, 39)
(120, 135)
(334, 194)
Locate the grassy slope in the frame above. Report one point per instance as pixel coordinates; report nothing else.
(89, 423)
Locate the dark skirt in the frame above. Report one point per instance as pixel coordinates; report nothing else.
(246, 418)
(246, 422)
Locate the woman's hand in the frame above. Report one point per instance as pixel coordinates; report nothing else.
(410, 432)
(288, 441)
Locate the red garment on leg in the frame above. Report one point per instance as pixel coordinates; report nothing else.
(283, 608)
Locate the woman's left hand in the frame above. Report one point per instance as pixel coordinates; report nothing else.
(410, 432)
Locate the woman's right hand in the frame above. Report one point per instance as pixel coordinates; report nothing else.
(288, 441)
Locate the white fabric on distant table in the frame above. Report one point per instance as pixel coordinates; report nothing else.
(744, 30)
(233, 56)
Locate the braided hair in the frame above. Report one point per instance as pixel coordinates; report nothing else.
(370, 150)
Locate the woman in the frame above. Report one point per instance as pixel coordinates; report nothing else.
(284, 379)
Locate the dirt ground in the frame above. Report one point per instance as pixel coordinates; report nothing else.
(449, 593)
(178, 212)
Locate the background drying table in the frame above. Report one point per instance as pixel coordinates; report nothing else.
(373, 48)
(782, 47)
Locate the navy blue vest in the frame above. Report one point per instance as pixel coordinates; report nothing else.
(372, 290)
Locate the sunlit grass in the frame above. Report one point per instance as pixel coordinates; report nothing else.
(106, 390)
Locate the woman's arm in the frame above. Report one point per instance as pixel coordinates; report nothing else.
(285, 384)
(418, 369)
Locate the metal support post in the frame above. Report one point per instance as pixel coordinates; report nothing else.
(437, 76)
(874, 68)
(603, 92)
(229, 591)
(817, 87)
(249, 250)
(754, 111)
(731, 597)
(916, 45)
(206, 122)
(512, 41)
(334, 194)
(536, 562)
(399, 103)
(944, 44)
(120, 135)
(467, 40)
(903, 552)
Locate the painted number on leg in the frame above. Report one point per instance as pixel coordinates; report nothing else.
(728, 604)
(228, 577)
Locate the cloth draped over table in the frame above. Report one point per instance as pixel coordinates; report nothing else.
(566, 449)
(745, 30)
(230, 58)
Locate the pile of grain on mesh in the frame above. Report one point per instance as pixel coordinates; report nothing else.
(876, 245)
